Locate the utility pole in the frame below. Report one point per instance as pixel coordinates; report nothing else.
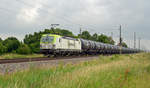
(120, 39)
(53, 26)
(80, 32)
(134, 40)
(139, 43)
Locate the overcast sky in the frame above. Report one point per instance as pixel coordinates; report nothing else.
(20, 17)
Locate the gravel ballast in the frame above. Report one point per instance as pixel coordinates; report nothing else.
(14, 67)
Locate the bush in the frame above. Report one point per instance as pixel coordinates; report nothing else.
(24, 49)
(35, 47)
(11, 43)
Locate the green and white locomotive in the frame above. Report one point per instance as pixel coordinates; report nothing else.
(56, 44)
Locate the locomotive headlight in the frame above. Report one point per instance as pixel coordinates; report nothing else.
(43, 46)
(54, 46)
(51, 46)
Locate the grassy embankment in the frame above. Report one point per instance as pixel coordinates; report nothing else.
(18, 56)
(118, 71)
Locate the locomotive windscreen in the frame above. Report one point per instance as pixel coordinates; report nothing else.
(48, 39)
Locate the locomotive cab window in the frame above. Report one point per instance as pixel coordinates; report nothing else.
(48, 39)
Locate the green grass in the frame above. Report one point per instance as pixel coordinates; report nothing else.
(117, 71)
(18, 56)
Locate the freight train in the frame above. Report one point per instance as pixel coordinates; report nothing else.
(52, 44)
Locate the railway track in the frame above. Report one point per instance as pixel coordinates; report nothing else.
(6, 61)
(15, 65)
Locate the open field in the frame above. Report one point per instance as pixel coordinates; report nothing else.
(17, 56)
(117, 71)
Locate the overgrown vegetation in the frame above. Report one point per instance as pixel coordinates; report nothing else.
(117, 71)
(31, 42)
(18, 56)
(24, 49)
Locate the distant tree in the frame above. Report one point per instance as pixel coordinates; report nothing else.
(102, 38)
(105, 39)
(58, 31)
(24, 49)
(2, 48)
(66, 33)
(11, 43)
(124, 45)
(29, 39)
(111, 41)
(95, 37)
(1, 40)
(33, 41)
(85, 35)
(47, 31)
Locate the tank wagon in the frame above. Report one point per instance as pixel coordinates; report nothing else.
(52, 44)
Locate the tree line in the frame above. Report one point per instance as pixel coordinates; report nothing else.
(31, 42)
